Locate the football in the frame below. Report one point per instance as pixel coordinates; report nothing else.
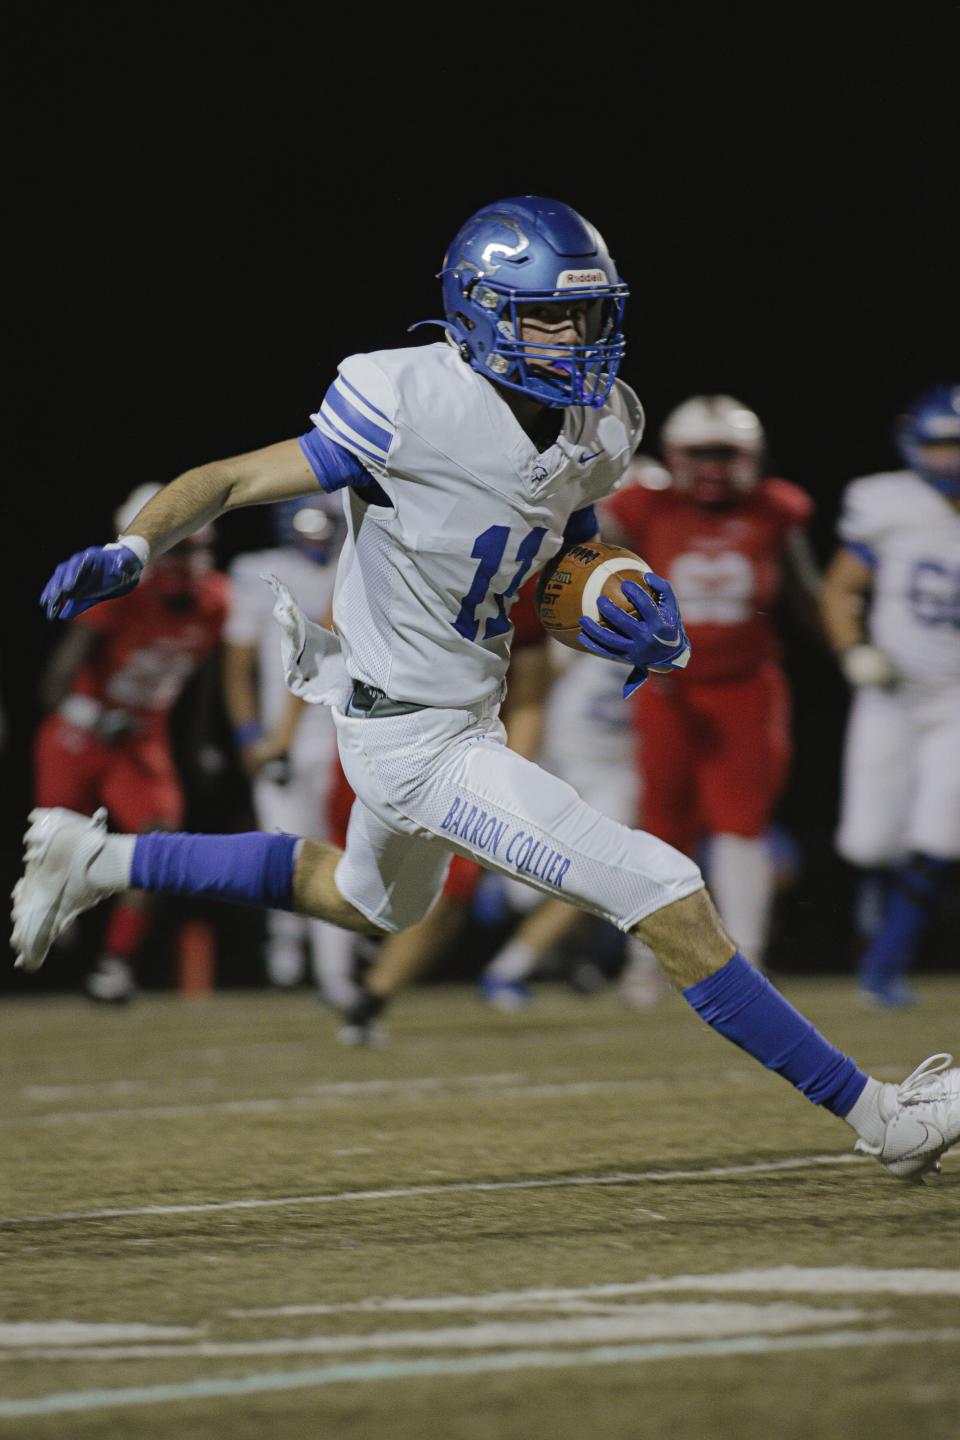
(573, 582)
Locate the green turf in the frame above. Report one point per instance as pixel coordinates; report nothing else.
(249, 1097)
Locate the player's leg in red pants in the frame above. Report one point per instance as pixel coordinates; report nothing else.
(742, 764)
(136, 780)
(142, 792)
(665, 748)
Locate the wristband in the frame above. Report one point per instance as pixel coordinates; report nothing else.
(247, 733)
(136, 543)
(864, 665)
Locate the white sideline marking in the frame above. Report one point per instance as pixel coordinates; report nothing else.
(374, 1370)
(79, 1087)
(22, 1333)
(476, 1186)
(784, 1279)
(673, 1320)
(315, 1095)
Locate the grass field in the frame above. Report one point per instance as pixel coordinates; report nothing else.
(218, 1223)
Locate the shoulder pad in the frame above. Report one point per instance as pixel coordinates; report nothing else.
(792, 505)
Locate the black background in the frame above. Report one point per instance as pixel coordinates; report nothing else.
(210, 210)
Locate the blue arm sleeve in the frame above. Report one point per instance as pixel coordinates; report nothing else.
(333, 466)
(582, 525)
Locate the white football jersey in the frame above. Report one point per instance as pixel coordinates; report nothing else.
(250, 621)
(910, 534)
(467, 509)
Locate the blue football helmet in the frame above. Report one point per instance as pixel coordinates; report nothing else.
(313, 523)
(532, 251)
(933, 420)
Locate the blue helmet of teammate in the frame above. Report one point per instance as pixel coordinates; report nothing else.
(314, 523)
(932, 422)
(529, 251)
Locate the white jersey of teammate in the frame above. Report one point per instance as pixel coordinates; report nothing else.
(471, 508)
(910, 536)
(466, 509)
(250, 622)
(588, 740)
(298, 804)
(901, 772)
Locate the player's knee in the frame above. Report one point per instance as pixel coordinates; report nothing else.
(315, 890)
(688, 938)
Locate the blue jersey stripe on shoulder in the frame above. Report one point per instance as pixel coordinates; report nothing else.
(367, 429)
(333, 466)
(862, 552)
(338, 433)
(342, 380)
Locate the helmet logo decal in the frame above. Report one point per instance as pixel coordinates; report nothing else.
(571, 279)
(509, 252)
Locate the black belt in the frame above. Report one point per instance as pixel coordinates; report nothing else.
(368, 703)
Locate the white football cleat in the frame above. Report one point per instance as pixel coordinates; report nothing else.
(922, 1117)
(55, 887)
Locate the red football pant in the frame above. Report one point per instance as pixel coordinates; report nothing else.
(714, 757)
(135, 778)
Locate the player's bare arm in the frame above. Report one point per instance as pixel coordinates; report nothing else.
(801, 584)
(192, 500)
(843, 605)
(846, 585)
(74, 651)
(239, 671)
(199, 496)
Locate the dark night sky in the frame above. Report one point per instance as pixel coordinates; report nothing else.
(212, 213)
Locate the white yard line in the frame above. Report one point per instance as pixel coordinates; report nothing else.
(396, 1091)
(28, 1334)
(403, 1090)
(376, 1370)
(663, 1320)
(783, 1279)
(559, 1182)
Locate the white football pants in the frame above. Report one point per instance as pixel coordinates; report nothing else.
(901, 775)
(435, 781)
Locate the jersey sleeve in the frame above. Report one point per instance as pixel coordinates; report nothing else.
(249, 598)
(859, 526)
(359, 414)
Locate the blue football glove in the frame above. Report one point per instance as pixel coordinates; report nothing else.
(102, 572)
(653, 636)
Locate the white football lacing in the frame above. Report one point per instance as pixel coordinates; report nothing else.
(923, 1084)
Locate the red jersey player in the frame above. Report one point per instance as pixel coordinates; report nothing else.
(715, 742)
(110, 687)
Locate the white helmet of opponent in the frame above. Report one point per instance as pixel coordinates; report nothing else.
(129, 509)
(713, 446)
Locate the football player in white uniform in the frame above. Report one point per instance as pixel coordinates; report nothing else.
(464, 464)
(288, 748)
(891, 604)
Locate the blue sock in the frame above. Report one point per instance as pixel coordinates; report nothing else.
(741, 1004)
(914, 891)
(252, 869)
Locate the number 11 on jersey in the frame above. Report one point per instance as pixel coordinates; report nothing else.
(489, 549)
